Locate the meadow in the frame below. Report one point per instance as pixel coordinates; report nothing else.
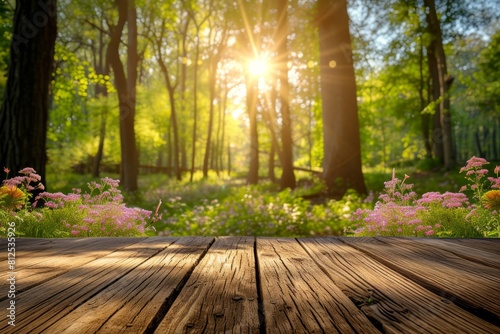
(405, 202)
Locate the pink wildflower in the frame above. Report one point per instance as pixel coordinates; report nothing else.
(482, 172)
(6, 170)
(496, 170)
(27, 171)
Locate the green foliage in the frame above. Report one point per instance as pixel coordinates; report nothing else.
(253, 210)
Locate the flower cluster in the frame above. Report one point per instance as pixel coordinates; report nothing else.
(400, 213)
(16, 191)
(102, 211)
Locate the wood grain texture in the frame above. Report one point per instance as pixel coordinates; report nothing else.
(221, 294)
(131, 303)
(46, 303)
(299, 298)
(471, 253)
(490, 245)
(467, 283)
(35, 267)
(398, 304)
(254, 285)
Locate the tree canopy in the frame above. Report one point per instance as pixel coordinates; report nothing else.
(237, 88)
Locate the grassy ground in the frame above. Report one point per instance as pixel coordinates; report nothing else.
(216, 206)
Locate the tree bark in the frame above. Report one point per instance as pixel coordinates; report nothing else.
(444, 83)
(102, 68)
(424, 117)
(126, 90)
(251, 104)
(288, 176)
(24, 111)
(342, 148)
(212, 81)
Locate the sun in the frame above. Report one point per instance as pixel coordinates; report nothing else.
(258, 67)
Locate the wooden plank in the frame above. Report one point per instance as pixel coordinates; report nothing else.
(221, 294)
(41, 265)
(45, 303)
(491, 245)
(131, 304)
(462, 250)
(464, 282)
(396, 303)
(298, 297)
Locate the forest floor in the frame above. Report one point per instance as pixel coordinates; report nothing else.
(227, 206)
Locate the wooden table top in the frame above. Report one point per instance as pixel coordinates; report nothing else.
(253, 285)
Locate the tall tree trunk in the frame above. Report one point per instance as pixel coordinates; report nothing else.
(424, 117)
(211, 82)
(342, 148)
(195, 104)
(437, 130)
(126, 90)
(24, 111)
(272, 153)
(102, 68)
(181, 159)
(269, 115)
(251, 104)
(445, 82)
(288, 176)
(223, 134)
(171, 95)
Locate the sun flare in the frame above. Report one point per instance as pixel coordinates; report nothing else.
(258, 67)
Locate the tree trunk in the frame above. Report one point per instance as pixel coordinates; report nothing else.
(102, 68)
(444, 81)
(342, 148)
(251, 104)
(211, 82)
(288, 176)
(126, 90)
(424, 117)
(437, 131)
(195, 104)
(24, 111)
(272, 153)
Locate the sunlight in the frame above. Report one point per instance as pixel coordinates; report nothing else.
(258, 67)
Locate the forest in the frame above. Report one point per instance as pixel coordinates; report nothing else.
(250, 117)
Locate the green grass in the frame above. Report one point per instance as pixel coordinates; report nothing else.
(226, 206)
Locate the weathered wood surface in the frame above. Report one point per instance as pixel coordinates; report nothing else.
(253, 285)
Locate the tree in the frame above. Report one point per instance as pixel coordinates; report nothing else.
(288, 177)
(342, 148)
(218, 43)
(441, 82)
(24, 112)
(126, 88)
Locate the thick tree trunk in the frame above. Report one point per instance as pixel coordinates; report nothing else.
(437, 130)
(24, 111)
(288, 176)
(444, 81)
(126, 91)
(342, 148)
